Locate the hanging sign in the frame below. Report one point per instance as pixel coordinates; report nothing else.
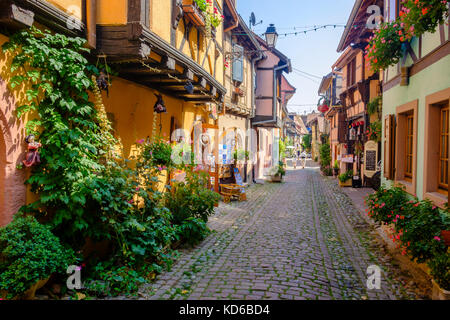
(347, 158)
(370, 158)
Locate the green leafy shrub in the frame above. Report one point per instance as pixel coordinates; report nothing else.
(192, 230)
(385, 204)
(417, 226)
(107, 279)
(29, 252)
(345, 176)
(191, 198)
(306, 142)
(374, 105)
(325, 156)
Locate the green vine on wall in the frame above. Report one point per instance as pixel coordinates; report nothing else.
(55, 75)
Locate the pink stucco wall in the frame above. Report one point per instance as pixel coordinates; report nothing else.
(12, 151)
(264, 80)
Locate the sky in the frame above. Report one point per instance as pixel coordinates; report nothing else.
(313, 52)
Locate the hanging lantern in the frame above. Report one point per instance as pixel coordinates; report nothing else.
(189, 87)
(159, 105)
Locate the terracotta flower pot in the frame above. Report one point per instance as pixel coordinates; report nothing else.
(439, 293)
(29, 294)
(347, 183)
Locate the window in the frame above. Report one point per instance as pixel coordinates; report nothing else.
(436, 153)
(393, 9)
(351, 73)
(238, 64)
(409, 146)
(443, 150)
(406, 146)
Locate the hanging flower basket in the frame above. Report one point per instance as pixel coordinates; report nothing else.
(385, 47)
(193, 12)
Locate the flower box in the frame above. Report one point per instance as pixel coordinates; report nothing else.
(347, 183)
(439, 293)
(193, 13)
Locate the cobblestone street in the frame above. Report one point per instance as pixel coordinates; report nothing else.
(302, 239)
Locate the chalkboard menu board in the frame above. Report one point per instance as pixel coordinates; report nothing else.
(371, 160)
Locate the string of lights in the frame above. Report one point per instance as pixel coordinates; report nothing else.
(309, 74)
(314, 28)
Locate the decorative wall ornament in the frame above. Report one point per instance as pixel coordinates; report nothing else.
(32, 157)
(177, 13)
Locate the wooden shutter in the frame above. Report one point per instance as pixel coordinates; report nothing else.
(342, 127)
(389, 146)
(238, 64)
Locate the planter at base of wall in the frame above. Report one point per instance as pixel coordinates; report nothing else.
(347, 183)
(29, 294)
(277, 178)
(439, 293)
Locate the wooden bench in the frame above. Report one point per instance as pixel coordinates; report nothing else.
(230, 191)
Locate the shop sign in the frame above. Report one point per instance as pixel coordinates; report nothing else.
(370, 158)
(347, 158)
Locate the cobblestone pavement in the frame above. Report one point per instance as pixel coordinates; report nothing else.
(302, 239)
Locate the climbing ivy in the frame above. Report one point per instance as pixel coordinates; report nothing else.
(56, 78)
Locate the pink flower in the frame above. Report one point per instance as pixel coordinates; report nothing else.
(137, 188)
(130, 201)
(434, 207)
(437, 238)
(140, 141)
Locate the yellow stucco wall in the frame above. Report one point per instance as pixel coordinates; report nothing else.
(132, 107)
(112, 12)
(161, 18)
(73, 7)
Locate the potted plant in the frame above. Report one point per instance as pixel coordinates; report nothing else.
(345, 179)
(30, 254)
(278, 172)
(336, 168)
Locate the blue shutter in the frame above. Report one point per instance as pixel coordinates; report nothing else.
(238, 64)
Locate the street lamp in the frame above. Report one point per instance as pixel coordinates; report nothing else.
(271, 36)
